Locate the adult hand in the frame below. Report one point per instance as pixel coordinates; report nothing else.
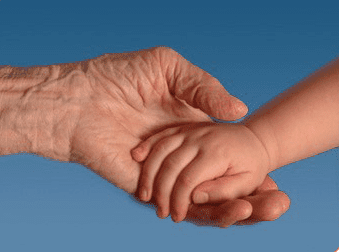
(96, 111)
(140, 93)
(135, 95)
(266, 203)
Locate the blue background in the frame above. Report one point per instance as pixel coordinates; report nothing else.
(256, 49)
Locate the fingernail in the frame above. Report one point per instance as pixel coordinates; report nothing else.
(240, 107)
(144, 194)
(160, 213)
(176, 217)
(200, 198)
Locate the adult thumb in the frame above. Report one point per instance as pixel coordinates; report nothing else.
(198, 88)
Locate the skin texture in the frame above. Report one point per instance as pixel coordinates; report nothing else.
(266, 203)
(96, 111)
(181, 158)
(299, 123)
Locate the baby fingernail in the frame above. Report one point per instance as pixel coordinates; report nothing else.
(160, 213)
(175, 217)
(200, 198)
(144, 194)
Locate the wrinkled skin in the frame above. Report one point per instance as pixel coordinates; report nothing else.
(135, 95)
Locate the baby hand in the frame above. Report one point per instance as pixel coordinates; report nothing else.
(181, 158)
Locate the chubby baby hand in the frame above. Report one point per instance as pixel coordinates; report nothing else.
(185, 163)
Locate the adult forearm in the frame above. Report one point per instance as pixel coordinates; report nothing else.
(303, 121)
(38, 109)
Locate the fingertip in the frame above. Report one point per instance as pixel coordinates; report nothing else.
(177, 217)
(278, 205)
(236, 109)
(178, 214)
(138, 154)
(162, 213)
(233, 211)
(144, 194)
(240, 108)
(228, 108)
(269, 205)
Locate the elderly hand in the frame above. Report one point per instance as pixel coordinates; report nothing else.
(96, 111)
(135, 95)
(266, 203)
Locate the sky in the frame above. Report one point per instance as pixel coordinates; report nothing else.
(255, 48)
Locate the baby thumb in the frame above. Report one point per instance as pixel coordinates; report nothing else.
(222, 189)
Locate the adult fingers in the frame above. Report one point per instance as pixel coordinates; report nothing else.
(268, 203)
(221, 215)
(267, 206)
(198, 88)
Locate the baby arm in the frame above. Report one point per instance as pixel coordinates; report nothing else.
(181, 158)
(299, 123)
(302, 121)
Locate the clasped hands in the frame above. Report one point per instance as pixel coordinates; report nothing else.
(134, 96)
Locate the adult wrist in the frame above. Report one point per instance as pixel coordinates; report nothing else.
(39, 109)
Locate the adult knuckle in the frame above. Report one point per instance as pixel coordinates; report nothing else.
(166, 49)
